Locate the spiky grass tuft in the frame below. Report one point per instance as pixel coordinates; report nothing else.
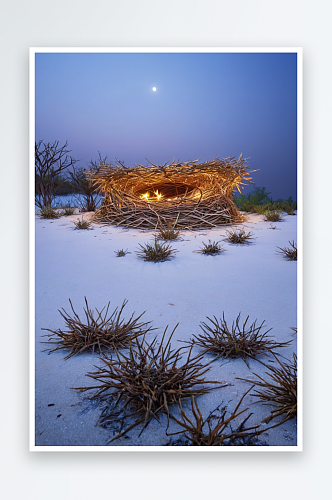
(280, 390)
(156, 252)
(67, 210)
(239, 236)
(49, 213)
(100, 334)
(82, 224)
(290, 209)
(147, 380)
(121, 253)
(246, 341)
(211, 248)
(168, 233)
(289, 253)
(273, 216)
(216, 429)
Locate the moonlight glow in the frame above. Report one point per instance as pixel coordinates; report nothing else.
(154, 89)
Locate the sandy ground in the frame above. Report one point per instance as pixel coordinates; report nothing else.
(70, 263)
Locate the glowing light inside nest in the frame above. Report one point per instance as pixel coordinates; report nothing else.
(156, 196)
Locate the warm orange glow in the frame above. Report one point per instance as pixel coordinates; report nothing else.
(156, 197)
(195, 195)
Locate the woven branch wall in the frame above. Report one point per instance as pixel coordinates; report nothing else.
(187, 195)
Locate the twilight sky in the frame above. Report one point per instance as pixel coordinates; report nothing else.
(205, 104)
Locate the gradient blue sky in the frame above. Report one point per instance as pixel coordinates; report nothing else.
(206, 104)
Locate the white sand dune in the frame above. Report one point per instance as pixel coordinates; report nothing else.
(254, 280)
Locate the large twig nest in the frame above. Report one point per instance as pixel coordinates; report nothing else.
(189, 195)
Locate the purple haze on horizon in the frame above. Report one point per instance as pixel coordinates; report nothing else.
(205, 104)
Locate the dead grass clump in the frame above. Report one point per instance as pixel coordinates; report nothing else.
(216, 429)
(237, 341)
(49, 213)
(239, 237)
(289, 253)
(121, 253)
(156, 252)
(168, 233)
(280, 390)
(259, 209)
(67, 210)
(82, 224)
(146, 380)
(211, 248)
(290, 209)
(273, 216)
(100, 334)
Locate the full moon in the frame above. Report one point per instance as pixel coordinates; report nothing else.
(154, 89)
